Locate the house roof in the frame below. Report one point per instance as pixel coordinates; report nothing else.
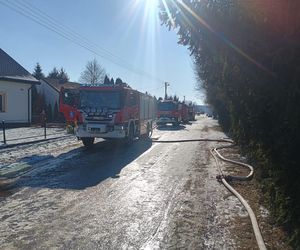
(54, 83)
(10, 70)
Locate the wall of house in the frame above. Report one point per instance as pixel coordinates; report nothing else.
(16, 102)
(51, 95)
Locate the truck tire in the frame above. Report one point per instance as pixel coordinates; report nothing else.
(88, 142)
(148, 132)
(130, 136)
(175, 124)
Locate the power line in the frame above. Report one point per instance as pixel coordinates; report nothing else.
(66, 28)
(41, 22)
(33, 13)
(36, 17)
(156, 89)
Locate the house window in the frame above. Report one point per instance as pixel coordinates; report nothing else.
(2, 102)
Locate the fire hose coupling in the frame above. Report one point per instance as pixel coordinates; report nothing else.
(228, 178)
(219, 177)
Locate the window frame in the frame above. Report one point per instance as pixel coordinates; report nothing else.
(3, 102)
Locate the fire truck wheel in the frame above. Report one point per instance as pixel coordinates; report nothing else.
(148, 132)
(130, 136)
(88, 141)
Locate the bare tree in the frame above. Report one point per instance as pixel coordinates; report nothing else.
(94, 73)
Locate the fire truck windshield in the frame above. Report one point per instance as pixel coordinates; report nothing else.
(166, 106)
(100, 99)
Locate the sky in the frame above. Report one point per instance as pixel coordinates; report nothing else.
(124, 36)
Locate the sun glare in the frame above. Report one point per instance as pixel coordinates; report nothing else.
(143, 20)
(150, 3)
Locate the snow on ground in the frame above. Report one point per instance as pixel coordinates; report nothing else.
(20, 158)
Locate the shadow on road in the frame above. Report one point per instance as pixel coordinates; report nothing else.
(88, 167)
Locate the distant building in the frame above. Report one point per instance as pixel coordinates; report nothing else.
(204, 109)
(15, 91)
(50, 89)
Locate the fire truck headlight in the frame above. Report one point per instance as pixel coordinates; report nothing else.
(110, 116)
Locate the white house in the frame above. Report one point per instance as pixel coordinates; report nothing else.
(15, 91)
(50, 89)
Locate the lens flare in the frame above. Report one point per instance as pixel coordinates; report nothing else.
(148, 38)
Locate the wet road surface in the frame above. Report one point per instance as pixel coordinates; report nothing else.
(144, 196)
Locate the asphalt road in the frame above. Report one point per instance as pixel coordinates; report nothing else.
(144, 196)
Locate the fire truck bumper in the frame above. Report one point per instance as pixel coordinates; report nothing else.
(165, 120)
(100, 131)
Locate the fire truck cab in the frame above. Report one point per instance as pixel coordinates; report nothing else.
(168, 111)
(68, 105)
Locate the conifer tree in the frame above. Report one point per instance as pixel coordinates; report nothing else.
(119, 81)
(49, 113)
(55, 112)
(106, 80)
(63, 76)
(37, 72)
(54, 74)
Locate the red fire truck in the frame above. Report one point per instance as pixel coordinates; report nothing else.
(192, 113)
(168, 111)
(108, 111)
(184, 113)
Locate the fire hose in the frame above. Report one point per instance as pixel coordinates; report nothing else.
(225, 178)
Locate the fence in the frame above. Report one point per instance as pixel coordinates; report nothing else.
(21, 135)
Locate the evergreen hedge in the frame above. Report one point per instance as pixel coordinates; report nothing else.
(247, 60)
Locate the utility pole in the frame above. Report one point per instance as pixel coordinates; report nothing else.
(166, 86)
(184, 98)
